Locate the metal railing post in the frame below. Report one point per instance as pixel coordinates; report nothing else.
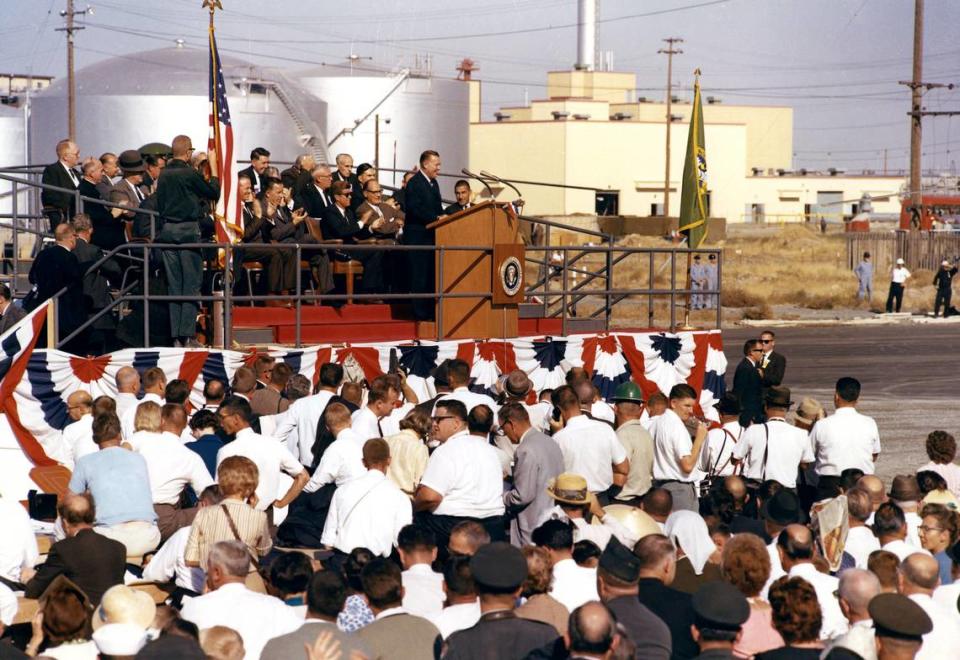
(547, 271)
(673, 291)
(609, 281)
(146, 297)
(15, 228)
(79, 205)
(227, 298)
(439, 297)
(719, 288)
(650, 285)
(563, 296)
(297, 302)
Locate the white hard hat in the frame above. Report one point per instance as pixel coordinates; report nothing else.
(900, 262)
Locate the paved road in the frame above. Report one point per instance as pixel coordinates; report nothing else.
(910, 376)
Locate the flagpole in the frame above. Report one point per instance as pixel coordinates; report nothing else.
(686, 311)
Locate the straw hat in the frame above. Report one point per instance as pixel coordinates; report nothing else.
(809, 411)
(123, 604)
(569, 488)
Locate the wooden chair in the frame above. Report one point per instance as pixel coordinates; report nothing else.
(349, 269)
(51, 479)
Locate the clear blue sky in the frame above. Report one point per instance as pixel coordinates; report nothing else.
(836, 62)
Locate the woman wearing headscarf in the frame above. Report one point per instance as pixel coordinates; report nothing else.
(698, 559)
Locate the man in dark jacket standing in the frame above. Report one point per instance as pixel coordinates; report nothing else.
(943, 280)
(96, 288)
(422, 205)
(60, 205)
(54, 268)
(180, 191)
(748, 383)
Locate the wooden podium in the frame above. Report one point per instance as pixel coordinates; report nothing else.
(498, 269)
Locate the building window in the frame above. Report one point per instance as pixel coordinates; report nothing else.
(607, 203)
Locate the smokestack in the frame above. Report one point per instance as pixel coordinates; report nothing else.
(586, 34)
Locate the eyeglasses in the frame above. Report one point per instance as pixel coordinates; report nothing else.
(757, 350)
(766, 341)
(440, 418)
(926, 530)
(375, 192)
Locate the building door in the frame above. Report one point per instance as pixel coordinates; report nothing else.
(754, 214)
(607, 203)
(829, 206)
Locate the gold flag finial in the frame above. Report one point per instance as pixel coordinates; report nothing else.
(212, 5)
(696, 71)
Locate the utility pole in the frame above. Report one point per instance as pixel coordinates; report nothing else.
(70, 28)
(669, 51)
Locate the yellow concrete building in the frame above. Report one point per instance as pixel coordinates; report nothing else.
(592, 132)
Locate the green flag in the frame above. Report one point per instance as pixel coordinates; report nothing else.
(693, 197)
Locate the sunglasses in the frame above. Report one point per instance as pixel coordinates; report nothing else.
(766, 341)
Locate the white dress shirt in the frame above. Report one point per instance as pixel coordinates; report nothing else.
(899, 275)
(590, 449)
(390, 425)
(603, 410)
(469, 399)
(671, 442)
(913, 528)
(456, 617)
(947, 595)
(834, 623)
(845, 439)
(776, 567)
(573, 585)
(860, 543)
(367, 512)
(341, 462)
(365, 424)
(171, 466)
(18, 543)
(8, 605)
(126, 422)
(125, 401)
(599, 534)
(298, 427)
(789, 446)
(422, 591)
(258, 618)
(946, 629)
(467, 472)
(718, 449)
(902, 549)
(271, 458)
(168, 562)
(77, 439)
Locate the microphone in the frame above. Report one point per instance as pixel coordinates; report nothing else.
(517, 204)
(470, 174)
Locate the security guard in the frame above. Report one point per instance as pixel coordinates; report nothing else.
(499, 570)
(900, 625)
(720, 610)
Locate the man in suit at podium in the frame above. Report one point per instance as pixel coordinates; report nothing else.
(461, 190)
(60, 206)
(422, 205)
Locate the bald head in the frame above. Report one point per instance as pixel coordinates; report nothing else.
(737, 488)
(79, 404)
(919, 574)
(874, 487)
(857, 589)
(658, 503)
(181, 147)
(173, 418)
(592, 630)
(128, 380)
(795, 544)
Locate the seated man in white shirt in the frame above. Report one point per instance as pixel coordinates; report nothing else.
(857, 588)
(18, 544)
(422, 586)
(256, 617)
(796, 547)
(675, 455)
(128, 386)
(298, 427)
(464, 478)
(154, 386)
(573, 585)
(845, 439)
(381, 399)
(890, 526)
(369, 511)
(77, 437)
(462, 607)
(590, 448)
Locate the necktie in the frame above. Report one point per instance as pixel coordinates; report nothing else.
(73, 177)
(137, 190)
(379, 428)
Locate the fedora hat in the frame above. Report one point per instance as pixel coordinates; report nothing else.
(783, 508)
(131, 161)
(517, 384)
(809, 411)
(905, 488)
(569, 488)
(778, 397)
(728, 404)
(123, 604)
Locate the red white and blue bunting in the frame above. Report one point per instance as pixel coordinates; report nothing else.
(36, 383)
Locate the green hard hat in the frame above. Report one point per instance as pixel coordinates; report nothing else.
(628, 391)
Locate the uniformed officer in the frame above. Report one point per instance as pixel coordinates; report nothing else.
(900, 625)
(720, 611)
(499, 570)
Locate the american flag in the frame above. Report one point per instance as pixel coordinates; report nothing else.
(229, 218)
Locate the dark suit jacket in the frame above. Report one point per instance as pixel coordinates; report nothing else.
(675, 608)
(537, 460)
(510, 637)
(422, 202)
(10, 317)
(748, 387)
(94, 562)
(56, 175)
(343, 225)
(54, 268)
(310, 200)
(255, 180)
(108, 232)
(453, 208)
(390, 214)
(129, 197)
(290, 175)
(776, 367)
(96, 288)
(648, 631)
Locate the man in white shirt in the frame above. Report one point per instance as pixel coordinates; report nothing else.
(716, 459)
(861, 540)
(774, 449)
(462, 607)
(77, 437)
(845, 439)
(18, 543)
(381, 400)
(918, 576)
(890, 526)
(857, 588)
(573, 585)
(458, 374)
(172, 467)
(154, 384)
(256, 617)
(343, 460)
(898, 279)
(369, 511)
(590, 448)
(675, 455)
(128, 386)
(464, 477)
(905, 493)
(298, 427)
(422, 586)
(796, 547)
(270, 457)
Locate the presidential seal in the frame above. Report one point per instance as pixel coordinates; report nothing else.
(511, 276)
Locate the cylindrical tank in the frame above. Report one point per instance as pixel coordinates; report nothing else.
(12, 152)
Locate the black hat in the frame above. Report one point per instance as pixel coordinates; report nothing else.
(620, 562)
(779, 397)
(131, 161)
(729, 404)
(783, 508)
(721, 606)
(440, 374)
(499, 566)
(895, 615)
